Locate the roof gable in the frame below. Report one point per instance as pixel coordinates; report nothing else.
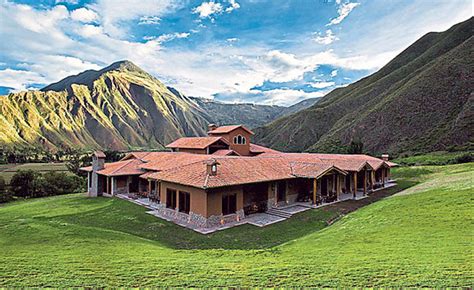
(196, 142)
(229, 128)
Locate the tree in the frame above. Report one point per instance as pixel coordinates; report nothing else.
(4, 194)
(356, 147)
(26, 183)
(76, 161)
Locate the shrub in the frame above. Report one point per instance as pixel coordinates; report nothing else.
(26, 183)
(60, 183)
(4, 194)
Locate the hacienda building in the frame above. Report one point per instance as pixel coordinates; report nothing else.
(223, 178)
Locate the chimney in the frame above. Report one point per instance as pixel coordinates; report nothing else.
(211, 167)
(211, 127)
(98, 160)
(385, 157)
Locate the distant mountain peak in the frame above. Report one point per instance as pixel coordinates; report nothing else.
(89, 76)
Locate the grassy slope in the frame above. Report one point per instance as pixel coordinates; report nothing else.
(420, 238)
(8, 170)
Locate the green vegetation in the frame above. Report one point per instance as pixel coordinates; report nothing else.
(421, 236)
(419, 102)
(8, 170)
(436, 158)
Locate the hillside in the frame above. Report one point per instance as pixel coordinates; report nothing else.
(251, 115)
(421, 237)
(119, 107)
(420, 101)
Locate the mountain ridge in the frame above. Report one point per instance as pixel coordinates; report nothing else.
(385, 110)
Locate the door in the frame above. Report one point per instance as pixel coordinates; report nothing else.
(281, 191)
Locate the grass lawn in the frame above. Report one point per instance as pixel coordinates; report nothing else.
(422, 236)
(8, 170)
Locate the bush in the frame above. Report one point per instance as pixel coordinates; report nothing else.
(4, 194)
(33, 184)
(26, 183)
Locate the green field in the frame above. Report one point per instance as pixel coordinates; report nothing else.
(8, 170)
(422, 236)
(435, 158)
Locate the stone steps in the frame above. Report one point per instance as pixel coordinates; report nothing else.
(278, 212)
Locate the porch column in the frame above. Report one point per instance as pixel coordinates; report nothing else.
(157, 190)
(177, 200)
(383, 177)
(88, 182)
(338, 186)
(334, 185)
(354, 188)
(107, 185)
(276, 193)
(149, 187)
(112, 180)
(365, 182)
(372, 179)
(315, 190)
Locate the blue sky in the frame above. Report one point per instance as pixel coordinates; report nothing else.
(269, 52)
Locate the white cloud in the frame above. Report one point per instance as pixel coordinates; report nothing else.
(286, 97)
(233, 39)
(206, 9)
(322, 85)
(233, 5)
(171, 36)
(343, 11)
(113, 12)
(326, 39)
(334, 73)
(19, 79)
(84, 15)
(149, 20)
(72, 2)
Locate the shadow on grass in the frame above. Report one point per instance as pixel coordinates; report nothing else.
(125, 217)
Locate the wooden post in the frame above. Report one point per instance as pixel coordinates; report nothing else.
(354, 189)
(276, 193)
(315, 190)
(177, 200)
(338, 186)
(365, 182)
(372, 179)
(149, 187)
(158, 190)
(383, 177)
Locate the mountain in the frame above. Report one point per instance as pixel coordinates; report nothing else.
(119, 107)
(420, 101)
(299, 106)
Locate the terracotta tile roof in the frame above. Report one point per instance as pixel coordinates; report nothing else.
(227, 129)
(313, 170)
(195, 142)
(224, 152)
(165, 160)
(124, 167)
(258, 149)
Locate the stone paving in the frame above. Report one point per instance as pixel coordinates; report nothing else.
(263, 219)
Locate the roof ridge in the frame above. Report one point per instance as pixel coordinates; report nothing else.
(126, 163)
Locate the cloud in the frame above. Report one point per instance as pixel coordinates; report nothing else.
(84, 15)
(149, 20)
(206, 9)
(322, 85)
(326, 39)
(171, 36)
(19, 79)
(343, 11)
(334, 73)
(72, 2)
(233, 5)
(113, 13)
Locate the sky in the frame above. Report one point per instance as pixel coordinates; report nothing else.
(256, 51)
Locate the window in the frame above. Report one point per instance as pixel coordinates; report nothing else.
(240, 140)
(184, 201)
(229, 204)
(170, 198)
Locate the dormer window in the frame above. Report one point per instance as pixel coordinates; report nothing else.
(240, 140)
(214, 169)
